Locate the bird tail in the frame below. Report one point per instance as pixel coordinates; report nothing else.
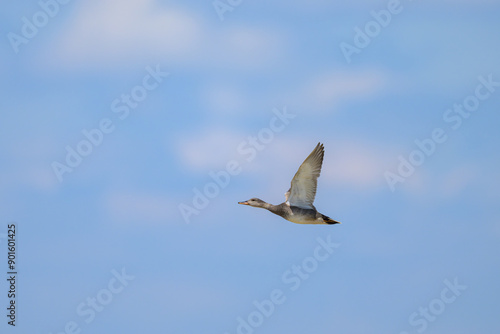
(329, 220)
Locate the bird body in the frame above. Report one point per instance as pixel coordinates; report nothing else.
(298, 206)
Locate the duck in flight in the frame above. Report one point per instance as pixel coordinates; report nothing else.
(298, 206)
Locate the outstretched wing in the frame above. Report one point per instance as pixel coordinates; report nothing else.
(303, 188)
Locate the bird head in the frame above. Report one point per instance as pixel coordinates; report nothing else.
(254, 202)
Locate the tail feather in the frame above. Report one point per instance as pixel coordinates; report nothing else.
(329, 220)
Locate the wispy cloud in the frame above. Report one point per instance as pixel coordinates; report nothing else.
(347, 162)
(335, 87)
(326, 91)
(356, 163)
(114, 33)
(210, 149)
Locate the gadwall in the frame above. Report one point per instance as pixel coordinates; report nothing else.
(298, 206)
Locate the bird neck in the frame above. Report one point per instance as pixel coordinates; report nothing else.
(273, 208)
(276, 209)
(267, 206)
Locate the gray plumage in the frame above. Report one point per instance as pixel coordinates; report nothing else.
(298, 206)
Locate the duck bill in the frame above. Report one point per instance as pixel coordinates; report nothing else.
(244, 203)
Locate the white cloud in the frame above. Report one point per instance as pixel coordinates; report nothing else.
(326, 90)
(249, 47)
(346, 163)
(329, 89)
(211, 149)
(367, 5)
(450, 184)
(113, 33)
(356, 164)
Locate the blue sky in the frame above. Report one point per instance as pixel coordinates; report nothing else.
(170, 94)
